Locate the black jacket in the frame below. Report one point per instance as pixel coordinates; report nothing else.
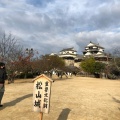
(3, 76)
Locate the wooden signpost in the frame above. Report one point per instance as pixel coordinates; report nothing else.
(41, 94)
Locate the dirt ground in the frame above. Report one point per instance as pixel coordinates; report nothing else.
(76, 98)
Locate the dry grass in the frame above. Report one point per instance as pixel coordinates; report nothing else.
(76, 98)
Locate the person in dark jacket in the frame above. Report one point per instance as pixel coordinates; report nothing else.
(3, 77)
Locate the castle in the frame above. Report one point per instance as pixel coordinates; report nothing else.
(71, 57)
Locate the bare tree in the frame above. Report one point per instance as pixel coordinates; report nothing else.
(114, 66)
(9, 47)
(116, 58)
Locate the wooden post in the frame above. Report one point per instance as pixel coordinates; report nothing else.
(41, 115)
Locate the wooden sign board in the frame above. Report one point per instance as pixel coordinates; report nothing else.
(41, 94)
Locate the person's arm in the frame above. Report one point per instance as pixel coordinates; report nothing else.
(5, 75)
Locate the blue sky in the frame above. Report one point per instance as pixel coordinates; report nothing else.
(52, 25)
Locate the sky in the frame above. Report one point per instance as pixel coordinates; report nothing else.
(48, 26)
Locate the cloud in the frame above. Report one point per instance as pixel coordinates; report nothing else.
(51, 25)
(39, 3)
(108, 40)
(107, 17)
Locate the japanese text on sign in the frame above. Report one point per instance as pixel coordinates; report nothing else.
(41, 95)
